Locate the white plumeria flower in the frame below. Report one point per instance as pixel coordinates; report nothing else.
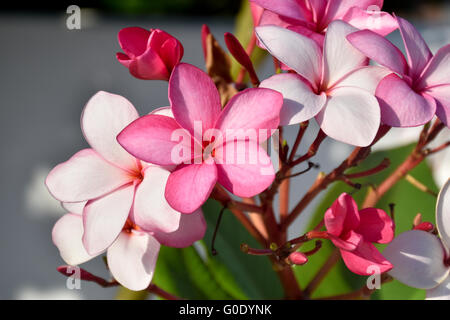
(422, 260)
(439, 162)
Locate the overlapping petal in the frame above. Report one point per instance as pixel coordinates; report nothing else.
(375, 225)
(363, 259)
(443, 214)
(342, 216)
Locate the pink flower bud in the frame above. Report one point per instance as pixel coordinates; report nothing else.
(424, 226)
(298, 258)
(149, 55)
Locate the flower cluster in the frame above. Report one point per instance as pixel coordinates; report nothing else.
(144, 180)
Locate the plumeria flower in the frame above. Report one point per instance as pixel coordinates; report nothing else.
(312, 17)
(211, 132)
(420, 87)
(336, 87)
(116, 202)
(422, 260)
(149, 55)
(353, 232)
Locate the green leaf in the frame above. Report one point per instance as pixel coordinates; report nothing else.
(408, 202)
(254, 274)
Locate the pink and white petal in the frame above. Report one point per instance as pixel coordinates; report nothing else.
(85, 176)
(337, 9)
(104, 218)
(351, 115)
(163, 111)
(244, 168)
(401, 106)
(294, 50)
(441, 95)
(349, 242)
(308, 32)
(418, 259)
(189, 186)
(289, 8)
(377, 21)
(253, 109)
(149, 66)
(74, 207)
(443, 214)
(153, 138)
(363, 259)
(133, 40)
(192, 228)
(66, 235)
(441, 292)
(416, 49)
(193, 98)
(379, 49)
(342, 216)
(366, 78)
(104, 116)
(340, 57)
(151, 212)
(132, 259)
(375, 225)
(300, 103)
(437, 72)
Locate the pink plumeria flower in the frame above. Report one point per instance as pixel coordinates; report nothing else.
(149, 55)
(336, 86)
(107, 190)
(353, 232)
(420, 88)
(196, 107)
(312, 17)
(422, 260)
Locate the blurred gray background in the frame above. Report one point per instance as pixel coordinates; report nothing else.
(48, 73)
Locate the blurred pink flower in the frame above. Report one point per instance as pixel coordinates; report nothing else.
(336, 85)
(198, 120)
(353, 232)
(419, 88)
(312, 17)
(106, 190)
(149, 55)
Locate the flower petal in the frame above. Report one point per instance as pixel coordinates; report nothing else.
(85, 176)
(378, 21)
(300, 103)
(255, 109)
(401, 106)
(375, 226)
(349, 242)
(441, 292)
(189, 186)
(288, 8)
(153, 138)
(132, 259)
(441, 95)
(438, 70)
(351, 115)
(74, 207)
(379, 49)
(104, 218)
(342, 216)
(418, 259)
(104, 116)
(192, 228)
(149, 66)
(244, 168)
(133, 40)
(443, 214)
(364, 259)
(151, 211)
(337, 9)
(340, 57)
(163, 111)
(416, 49)
(66, 235)
(193, 98)
(294, 50)
(366, 78)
